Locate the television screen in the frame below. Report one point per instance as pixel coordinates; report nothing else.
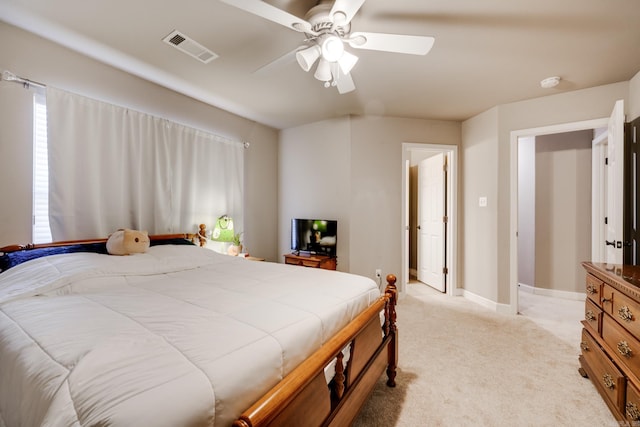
(314, 236)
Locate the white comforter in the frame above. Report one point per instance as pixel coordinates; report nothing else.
(179, 336)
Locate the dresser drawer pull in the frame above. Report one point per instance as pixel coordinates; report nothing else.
(625, 314)
(624, 349)
(608, 381)
(590, 316)
(633, 412)
(584, 346)
(606, 300)
(591, 289)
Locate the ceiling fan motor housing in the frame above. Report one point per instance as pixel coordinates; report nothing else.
(320, 19)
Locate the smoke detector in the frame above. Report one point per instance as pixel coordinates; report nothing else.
(550, 82)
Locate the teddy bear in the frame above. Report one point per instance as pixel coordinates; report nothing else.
(127, 242)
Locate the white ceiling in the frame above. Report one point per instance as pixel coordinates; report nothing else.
(486, 53)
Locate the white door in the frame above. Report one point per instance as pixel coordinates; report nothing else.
(615, 182)
(599, 148)
(431, 212)
(406, 230)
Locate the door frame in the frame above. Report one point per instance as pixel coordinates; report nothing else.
(452, 223)
(513, 218)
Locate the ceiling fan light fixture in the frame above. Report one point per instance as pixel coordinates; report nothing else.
(347, 61)
(332, 48)
(307, 57)
(323, 71)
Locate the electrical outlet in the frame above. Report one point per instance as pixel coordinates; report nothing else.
(378, 273)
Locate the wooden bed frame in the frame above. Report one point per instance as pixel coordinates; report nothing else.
(303, 398)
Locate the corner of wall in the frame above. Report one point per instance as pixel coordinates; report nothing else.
(634, 98)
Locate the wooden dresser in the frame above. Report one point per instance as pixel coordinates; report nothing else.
(315, 261)
(610, 345)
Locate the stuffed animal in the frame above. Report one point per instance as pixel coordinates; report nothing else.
(127, 242)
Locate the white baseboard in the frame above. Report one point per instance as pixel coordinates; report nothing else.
(487, 303)
(506, 308)
(576, 296)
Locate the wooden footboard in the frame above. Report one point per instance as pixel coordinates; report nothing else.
(303, 398)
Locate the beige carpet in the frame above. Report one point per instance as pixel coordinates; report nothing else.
(463, 365)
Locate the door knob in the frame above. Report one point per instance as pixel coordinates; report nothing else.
(610, 243)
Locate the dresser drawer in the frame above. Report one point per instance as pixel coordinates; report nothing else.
(594, 288)
(624, 345)
(593, 316)
(632, 405)
(622, 308)
(606, 376)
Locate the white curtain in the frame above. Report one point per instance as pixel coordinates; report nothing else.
(111, 167)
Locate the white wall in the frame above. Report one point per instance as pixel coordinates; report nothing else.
(37, 59)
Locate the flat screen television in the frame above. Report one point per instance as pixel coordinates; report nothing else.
(314, 236)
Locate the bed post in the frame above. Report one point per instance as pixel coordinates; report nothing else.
(390, 329)
(201, 237)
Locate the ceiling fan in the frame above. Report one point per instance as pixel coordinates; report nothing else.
(327, 27)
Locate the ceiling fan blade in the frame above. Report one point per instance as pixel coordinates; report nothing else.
(272, 13)
(414, 45)
(343, 11)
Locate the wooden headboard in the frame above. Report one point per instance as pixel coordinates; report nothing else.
(198, 238)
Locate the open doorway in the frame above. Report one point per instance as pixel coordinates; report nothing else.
(614, 126)
(516, 267)
(445, 263)
(554, 212)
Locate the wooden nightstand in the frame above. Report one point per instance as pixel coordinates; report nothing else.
(313, 261)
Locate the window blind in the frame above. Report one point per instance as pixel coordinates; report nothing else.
(41, 229)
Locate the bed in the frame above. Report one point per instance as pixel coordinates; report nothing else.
(183, 336)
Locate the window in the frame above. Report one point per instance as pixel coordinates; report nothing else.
(41, 229)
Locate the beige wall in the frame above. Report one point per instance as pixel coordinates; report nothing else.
(527, 210)
(365, 195)
(490, 134)
(634, 98)
(314, 180)
(562, 209)
(40, 60)
(480, 226)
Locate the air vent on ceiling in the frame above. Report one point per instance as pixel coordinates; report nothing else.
(189, 46)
